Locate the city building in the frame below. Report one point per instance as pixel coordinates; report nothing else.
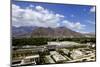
(76, 54)
(65, 44)
(30, 60)
(65, 51)
(48, 59)
(57, 57)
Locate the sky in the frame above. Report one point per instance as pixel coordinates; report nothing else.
(80, 18)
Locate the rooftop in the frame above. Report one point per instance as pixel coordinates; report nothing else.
(33, 56)
(49, 59)
(57, 57)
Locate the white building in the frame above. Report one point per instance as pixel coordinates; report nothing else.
(63, 43)
(30, 60)
(48, 59)
(57, 57)
(65, 51)
(76, 54)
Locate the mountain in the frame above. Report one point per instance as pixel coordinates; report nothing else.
(55, 32)
(90, 34)
(21, 31)
(61, 32)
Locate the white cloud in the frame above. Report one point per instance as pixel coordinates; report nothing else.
(39, 8)
(92, 9)
(91, 22)
(32, 6)
(34, 17)
(83, 32)
(41, 17)
(73, 25)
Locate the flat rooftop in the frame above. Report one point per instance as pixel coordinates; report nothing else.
(49, 59)
(57, 57)
(33, 56)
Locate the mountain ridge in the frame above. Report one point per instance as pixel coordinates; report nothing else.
(59, 32)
